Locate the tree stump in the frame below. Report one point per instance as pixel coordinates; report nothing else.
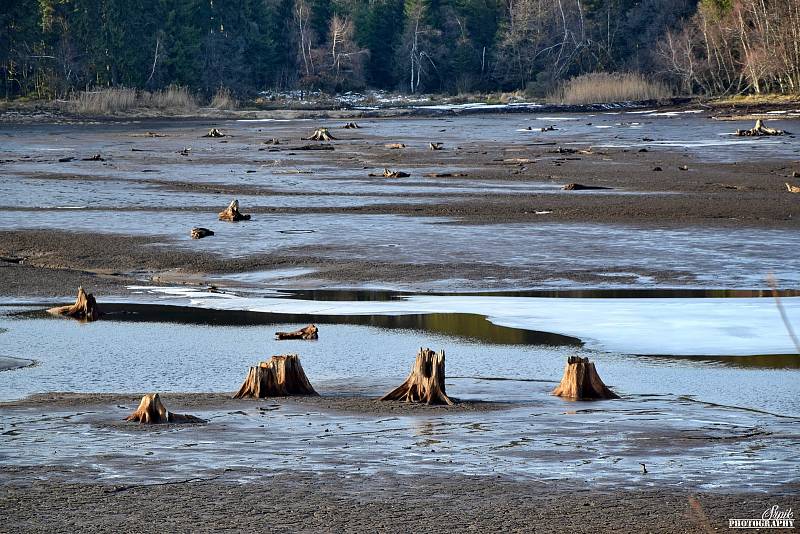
(394, 146)
(351, 126)
(200, 233)
(281, 376)
(309, 332)
(232, 213)
(321, 134)
(213, 132)
(759, 130)
(436, 146)
(85, 307)
(426, 381)
(581, 381)
(793, 188)
(151, 411)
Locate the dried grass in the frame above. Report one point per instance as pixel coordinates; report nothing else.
(115, 100)
(601, 88)
(224, 99)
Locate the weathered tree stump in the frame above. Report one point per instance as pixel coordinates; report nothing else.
(351, 126)
(436, 146)
(581, 381)
(85, 307)
(393, 174)
(308, 332)
(321, 134)
(213, 132)
(200, 233)
(232, 213)
(281, 376)
(426, 381)
(394, 146)
(793, 188)
(758, 130)
(152, 411)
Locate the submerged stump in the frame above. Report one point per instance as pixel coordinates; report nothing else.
(281, 376)
(85, 307)
(758, 130)
(426, 381)
(307, 332)
(152, 411)
(436, 146)
(232, 213)
(351, 126)
(581, 382)
(200, 233)
(321, 134)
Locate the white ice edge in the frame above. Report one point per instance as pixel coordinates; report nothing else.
(675, 326)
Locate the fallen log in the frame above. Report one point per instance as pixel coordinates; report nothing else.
(281, 376)
(313, 147)
(758, 130)
(581, 382)
(351, 126)
(793, 188)
(436, 146)
(213, 132)
(200, 233)
(321, 134)
(232, 213)
(308, 332)
(151, 411)
(96, 157)
(85, 308)
(581, 187)
(444, 174)
(273, 141)
(394, 146)
(426, 381)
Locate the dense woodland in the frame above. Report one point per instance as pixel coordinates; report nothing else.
(50, 48)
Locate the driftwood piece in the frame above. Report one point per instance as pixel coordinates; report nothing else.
(213, 132)
(200, 233)
(321, 134)
(444, 174)
(308, 332)
(273, 141)
(232, 213)
(387, 173)
(281, 376)
(426, 381)
(185, 151)
(85, 307)
(758, 130)
(152, 411)
(436, 146)
(581, 381)
(351, 126)
(581, 187)
(394, 146)
(549, 128)
(314, 147)
(793, 188)
(96, 157)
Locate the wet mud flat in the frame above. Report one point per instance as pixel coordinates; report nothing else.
(488, 210)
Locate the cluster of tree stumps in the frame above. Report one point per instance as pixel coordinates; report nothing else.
(759, 130)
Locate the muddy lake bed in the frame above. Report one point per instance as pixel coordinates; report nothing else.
(661, 278)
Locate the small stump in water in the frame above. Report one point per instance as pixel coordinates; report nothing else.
(351, 126)
(85, 307)
(200, 233)
(279, 377)
(387, 173)
(309, 332)
(759, 130)
(321, 134)
(213, 132)
(151, 411)
(436, 146)
(581, 382)
(232, 213)
(426, 381)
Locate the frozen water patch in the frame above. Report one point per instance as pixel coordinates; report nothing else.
(682, 327)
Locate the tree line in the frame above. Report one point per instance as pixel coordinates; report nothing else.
(49, 48)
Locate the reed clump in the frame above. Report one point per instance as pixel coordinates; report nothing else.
(224, 99)
(604, 88)
(173, 100)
